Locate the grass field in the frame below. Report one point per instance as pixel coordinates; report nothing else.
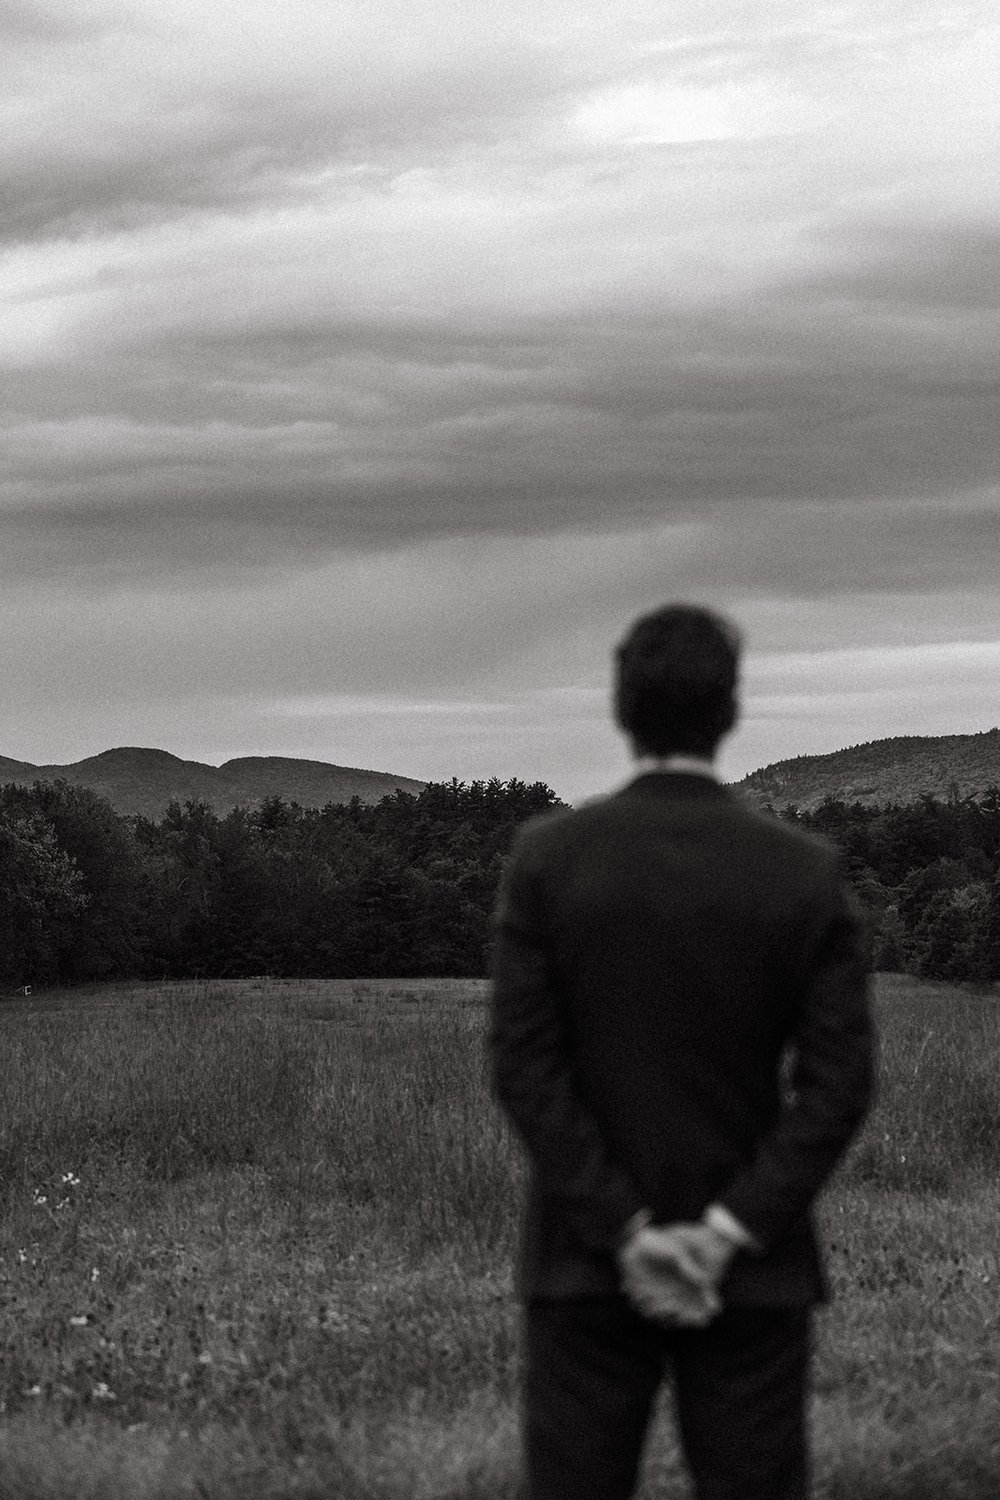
(256, 1241)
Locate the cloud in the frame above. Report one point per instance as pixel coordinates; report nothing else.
(27, 23)
(380, 434)
(192, 109)
(396, 356)
(484, 616)
(491, 655)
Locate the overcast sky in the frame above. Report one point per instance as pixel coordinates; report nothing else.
(367, 368)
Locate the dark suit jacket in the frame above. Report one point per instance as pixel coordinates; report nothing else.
(657, 954)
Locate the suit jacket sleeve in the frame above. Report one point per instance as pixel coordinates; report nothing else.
(532, 1070)
(831, 1079)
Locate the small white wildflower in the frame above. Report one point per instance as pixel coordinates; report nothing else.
(40, 1198)
(102, 1392)
(79, 1321)
(95, 1273)
(69, 1179)
(204, 1358)
(33, 1390)
(22, 1256)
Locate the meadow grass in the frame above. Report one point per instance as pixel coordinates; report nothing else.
(256, 1241)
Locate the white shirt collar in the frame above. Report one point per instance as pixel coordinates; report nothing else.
(685, 765)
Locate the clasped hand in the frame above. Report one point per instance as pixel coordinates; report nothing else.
(671, 1273)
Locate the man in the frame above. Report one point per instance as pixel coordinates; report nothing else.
(663, 956)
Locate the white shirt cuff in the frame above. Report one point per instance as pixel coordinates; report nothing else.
(723, 1222)
(638, 1221)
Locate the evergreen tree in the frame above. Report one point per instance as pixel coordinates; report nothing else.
(41, 892)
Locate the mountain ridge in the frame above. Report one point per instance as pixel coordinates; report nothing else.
(143, 780)
(898, 769)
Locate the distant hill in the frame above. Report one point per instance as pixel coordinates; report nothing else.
(145, 781)
(882, 771)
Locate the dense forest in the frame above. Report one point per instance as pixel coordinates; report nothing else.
(405, 886)
(401, 887)
(927, 875)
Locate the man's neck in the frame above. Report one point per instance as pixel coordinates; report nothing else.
(690, 765)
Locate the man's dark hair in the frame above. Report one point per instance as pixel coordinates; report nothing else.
(675, 692)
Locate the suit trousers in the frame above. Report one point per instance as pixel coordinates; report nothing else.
(593, 1367)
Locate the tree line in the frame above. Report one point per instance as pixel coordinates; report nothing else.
(927, 875)
(403, 887)
(406, 886)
